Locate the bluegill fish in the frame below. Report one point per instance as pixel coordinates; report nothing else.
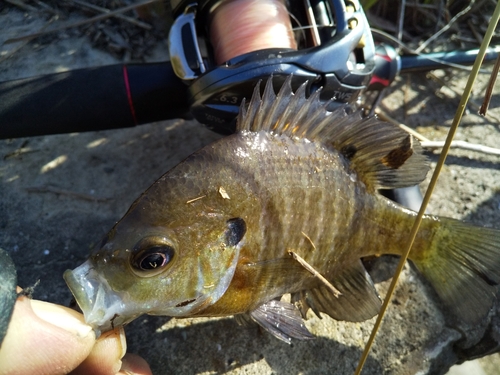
(217, 234)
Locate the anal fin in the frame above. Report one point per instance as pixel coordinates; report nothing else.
(358, 302)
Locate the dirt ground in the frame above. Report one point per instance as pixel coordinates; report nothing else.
(60, 194)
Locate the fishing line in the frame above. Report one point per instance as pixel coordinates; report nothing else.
(451, 134)
(241, 26)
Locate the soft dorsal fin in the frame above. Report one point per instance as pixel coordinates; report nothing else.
(358, 302)
(383, 156)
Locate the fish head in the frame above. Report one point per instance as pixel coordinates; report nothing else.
(173, 254)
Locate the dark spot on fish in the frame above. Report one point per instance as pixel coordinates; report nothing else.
(182, 304)
(236, 229)
(349, 151)
(397, 157)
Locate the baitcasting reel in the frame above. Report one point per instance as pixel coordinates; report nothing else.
(333, 49)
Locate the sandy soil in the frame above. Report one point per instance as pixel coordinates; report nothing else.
(60, 194)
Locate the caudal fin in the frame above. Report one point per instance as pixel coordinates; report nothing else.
(463, 265)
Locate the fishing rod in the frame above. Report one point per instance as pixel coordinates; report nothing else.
(331, 53)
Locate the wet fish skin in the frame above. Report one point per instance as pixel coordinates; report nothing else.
(215, 233)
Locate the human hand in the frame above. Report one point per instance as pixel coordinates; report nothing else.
(45, 338)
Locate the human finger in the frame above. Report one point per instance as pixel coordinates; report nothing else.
(108, 357)
(105, 357)
(44, 338)
(132, 364)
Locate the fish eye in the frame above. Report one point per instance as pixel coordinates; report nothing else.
(151, 255)
(154, 257)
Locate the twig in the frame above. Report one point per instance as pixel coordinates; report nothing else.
(446, 27)
(25, 42)
(409, 50)
(22, 5)
(457, 95)
(18, 152)
(441, 14)
(406, 88)
(463, 145)
(83, 22)
(413, 234)
(315, 273)
(309, 238)
(47, 8)
(49, 189)
(385, 117)
(195, 199)
(401, 16)
(377, 23)
(489, 89)
(131, 20)
(427, 143)
(28, 291)
(472, 28)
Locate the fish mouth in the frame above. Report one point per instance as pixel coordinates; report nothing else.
(102, 307)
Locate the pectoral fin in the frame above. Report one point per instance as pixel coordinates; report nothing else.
(358, 302)
(279, 318)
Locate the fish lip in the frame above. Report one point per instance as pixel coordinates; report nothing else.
(102, 307)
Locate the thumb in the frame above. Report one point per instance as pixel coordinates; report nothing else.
(44, 338)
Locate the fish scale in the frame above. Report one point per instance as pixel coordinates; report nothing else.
(302, 200)
(287, 186)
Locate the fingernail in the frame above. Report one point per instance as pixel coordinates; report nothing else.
(117, 334)
(123, 342)
(133, 364)
(62, 317)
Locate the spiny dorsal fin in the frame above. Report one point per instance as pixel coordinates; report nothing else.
(384, 156)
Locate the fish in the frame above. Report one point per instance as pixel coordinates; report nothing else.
(288, 204)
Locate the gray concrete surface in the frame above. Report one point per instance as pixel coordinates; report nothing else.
(60, 194)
